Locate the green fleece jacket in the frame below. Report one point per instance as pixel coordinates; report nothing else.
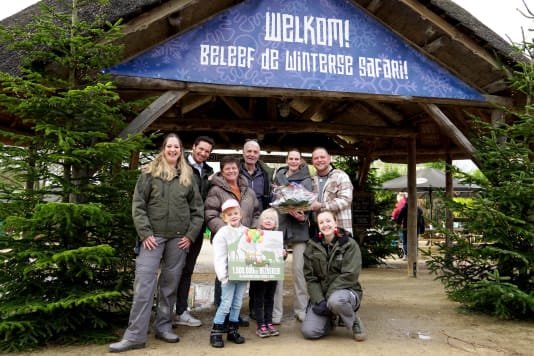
(166, 208)
(329, 269)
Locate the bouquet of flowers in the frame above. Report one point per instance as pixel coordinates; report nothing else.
(292, 196)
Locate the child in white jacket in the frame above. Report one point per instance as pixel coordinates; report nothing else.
(231, 291)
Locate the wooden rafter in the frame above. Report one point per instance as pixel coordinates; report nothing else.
(146, 19)
(452, 32)
(280, 127)
(223, 90)
(447, 126)
(152, 112)
(236, 108)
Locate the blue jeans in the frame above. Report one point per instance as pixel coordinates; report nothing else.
(231, 301)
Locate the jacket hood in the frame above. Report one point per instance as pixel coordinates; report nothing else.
(299, 175)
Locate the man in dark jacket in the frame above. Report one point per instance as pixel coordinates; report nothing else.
(257, 173)
(200, 153)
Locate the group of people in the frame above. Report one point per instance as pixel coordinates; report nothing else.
(176, 197)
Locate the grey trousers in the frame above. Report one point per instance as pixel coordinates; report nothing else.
(300, 292)
(343, 303)
(172, 260)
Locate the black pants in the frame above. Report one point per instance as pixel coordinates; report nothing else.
(262, 294)
(182, 292)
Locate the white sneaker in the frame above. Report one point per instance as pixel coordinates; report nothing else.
(186, 319)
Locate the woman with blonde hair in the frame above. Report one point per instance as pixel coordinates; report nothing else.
(168, 213)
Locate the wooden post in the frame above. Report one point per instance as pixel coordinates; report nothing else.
(412, 210)
(449, 223)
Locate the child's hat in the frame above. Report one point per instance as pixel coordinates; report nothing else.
(230, 203)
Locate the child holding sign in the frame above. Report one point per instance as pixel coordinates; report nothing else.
(262, 292)
(232, 291)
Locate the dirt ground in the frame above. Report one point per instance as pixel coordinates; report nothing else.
(402, 315)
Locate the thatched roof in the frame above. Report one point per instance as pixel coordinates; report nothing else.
(364, 125)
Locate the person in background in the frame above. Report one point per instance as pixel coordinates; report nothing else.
(167, 214)
(332, 265)
(295, 226)
(201, 172)
(229, 184)
(333, 188)
(258, 176)
(232, 291)
(263, 291)
(401, 202)
(402, 220)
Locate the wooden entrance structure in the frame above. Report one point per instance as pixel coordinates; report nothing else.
(392, 128)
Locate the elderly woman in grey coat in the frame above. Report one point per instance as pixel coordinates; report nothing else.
(296, 232)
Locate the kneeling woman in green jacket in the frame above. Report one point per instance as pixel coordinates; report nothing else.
(332, 264)
(168, 213)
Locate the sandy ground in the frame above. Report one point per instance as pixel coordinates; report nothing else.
(403, 316)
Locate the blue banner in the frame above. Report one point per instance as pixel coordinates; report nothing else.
(325, 45)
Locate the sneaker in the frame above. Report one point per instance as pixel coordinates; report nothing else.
(272, 330)
(186, 319)
(125, 345)
(277, 321)
(358, 330)
(262, 331)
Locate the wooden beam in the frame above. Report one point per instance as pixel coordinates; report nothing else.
(191, 103)
(313, 111)
(236, 108)
(392, 115)
(374, 5)
(448, 127)
(144, 20)
(401, 152)
(437, 44)
(280, 127)
(452, 32)
(140, 83)
(152, 112)
(495, 86)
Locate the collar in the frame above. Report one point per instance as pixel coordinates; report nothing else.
(194, 164)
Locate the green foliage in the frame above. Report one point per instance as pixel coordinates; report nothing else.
(496, 274)
(66, 251)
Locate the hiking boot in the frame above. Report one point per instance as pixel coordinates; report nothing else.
(186, 319)
(233, 334)
(243, 322)
(125, 345)
(358, 330)
(272, 330)
(216, 336)
(262, 331)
